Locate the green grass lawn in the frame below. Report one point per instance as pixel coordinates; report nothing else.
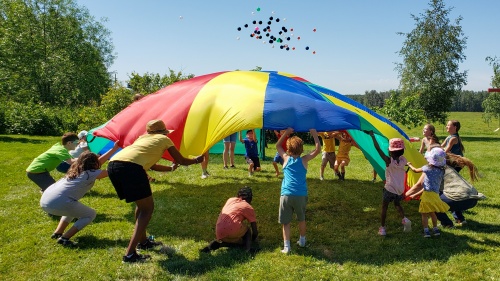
(342, 222)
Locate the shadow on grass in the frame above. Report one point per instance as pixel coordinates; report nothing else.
(341, 228)
(489, 205)
(178, 264)
(21, 140)
(86, 242)
(479, 138)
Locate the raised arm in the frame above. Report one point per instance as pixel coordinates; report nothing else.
(386, 158)
(279, 147)
(317, 146)
(241, 136)
(103, 158)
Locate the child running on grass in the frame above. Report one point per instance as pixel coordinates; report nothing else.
(394, 180)
(62, 197)
(430, 203)
(294, 186)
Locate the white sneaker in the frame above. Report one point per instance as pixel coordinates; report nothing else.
(321, 178)
(406, 225)
(286, 250)
(204, 175)
(381, 231)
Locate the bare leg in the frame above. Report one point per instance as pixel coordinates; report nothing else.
(231, 152)
(143, 213)
(286, 232)
(302, 228)
(383, 215)
(275, 165)
(61, 226)
(226, 154)
(425, 220)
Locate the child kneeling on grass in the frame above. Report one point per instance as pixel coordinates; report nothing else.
(231, 228)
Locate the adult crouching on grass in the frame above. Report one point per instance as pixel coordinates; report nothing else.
(127, 172)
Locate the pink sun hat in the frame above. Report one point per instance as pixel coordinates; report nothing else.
(396, 144)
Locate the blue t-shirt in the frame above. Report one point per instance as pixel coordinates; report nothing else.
(294, 178)
(251, 148)
(433, 178)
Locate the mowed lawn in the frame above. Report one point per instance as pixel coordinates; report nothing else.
(342, 222)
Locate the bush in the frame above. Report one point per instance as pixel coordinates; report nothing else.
(31, 119)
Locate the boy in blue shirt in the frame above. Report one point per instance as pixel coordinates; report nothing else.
(251, 152)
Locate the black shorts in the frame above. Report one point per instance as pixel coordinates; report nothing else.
(130, 180)
(254, 160)
(388, 196)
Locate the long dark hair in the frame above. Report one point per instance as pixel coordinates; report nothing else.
(86, 161)
(456, 123)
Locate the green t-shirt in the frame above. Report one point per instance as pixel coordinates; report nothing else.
(49, 160)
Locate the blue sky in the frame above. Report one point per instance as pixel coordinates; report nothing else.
(355, 41)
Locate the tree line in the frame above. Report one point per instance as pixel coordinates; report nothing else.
(55, 59)
(464, 101)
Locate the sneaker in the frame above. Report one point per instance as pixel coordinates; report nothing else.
(56, 235)
(149, 244)
(381, 231)
(302, 245)
(250, 174)
(437, 232)
(406, 225)
(226, 167)
(374, 180)
(321, 178)
(286, 251)
(65, 242)
(427, 234)
(135, 257)
(338, 175)
(204, 175)
(232, 166)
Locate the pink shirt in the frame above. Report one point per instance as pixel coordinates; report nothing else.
(232, 215)
(395, 175)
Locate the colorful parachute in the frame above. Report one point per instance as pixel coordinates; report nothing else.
(203, 110)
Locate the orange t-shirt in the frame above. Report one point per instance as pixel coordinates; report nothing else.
(232, 216)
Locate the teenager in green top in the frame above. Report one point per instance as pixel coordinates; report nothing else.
(39, 170)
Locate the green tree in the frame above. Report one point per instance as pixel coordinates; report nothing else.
(150, 82)
(53, 52)
(495, 63)
(429, 74)
(491, 104)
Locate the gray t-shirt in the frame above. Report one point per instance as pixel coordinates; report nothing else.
(457, 188)
(64, 190)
